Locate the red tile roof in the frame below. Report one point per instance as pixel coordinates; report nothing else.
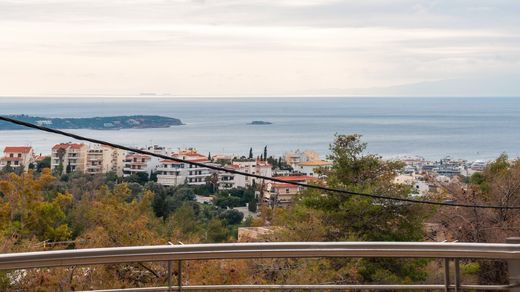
(316, 163)
(67, 145)
(296, 177)
(199, 160)
(17, 149)
(281, 185)
(189, 153)
(40, 157)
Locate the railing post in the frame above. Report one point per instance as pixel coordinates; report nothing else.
(179, 278)
(446, 275)
(457, 275)
(169, 276)
(514, 268)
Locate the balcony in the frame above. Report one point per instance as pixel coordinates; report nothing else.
(181, 253)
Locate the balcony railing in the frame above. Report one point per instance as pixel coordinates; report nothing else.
(509, 252)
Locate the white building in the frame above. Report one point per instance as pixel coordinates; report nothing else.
(310, 167)
(172, 173)
(138, 163)
(69, 157)
(103, 159)
(17, 156)
(478, 165)
(258, 167)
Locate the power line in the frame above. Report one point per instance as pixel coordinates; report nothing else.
(274, 179)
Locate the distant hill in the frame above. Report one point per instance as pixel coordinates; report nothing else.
(96, 123)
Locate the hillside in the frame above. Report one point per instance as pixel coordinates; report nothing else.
(95, 123)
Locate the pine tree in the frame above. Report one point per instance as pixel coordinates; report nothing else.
(265, 153)
(251, 153)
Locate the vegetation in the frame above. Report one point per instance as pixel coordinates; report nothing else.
(40, 210)
(498, 185)
(238, 197)
(98, 123)
(319, 216)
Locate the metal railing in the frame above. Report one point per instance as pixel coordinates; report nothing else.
(448, 251)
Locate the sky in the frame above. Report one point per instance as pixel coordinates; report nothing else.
(260, 47)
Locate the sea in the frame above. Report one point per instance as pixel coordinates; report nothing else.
(433, 128)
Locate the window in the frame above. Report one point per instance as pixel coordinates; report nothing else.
(19, 154)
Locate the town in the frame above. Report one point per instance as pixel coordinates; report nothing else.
(423, 176)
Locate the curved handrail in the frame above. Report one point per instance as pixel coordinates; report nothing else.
(257, 250)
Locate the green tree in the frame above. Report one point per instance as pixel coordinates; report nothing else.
(216, 231)
(250, 153)
(167, 199)
(139, 177)
(232, 217)
(252, 205)
(44, 163)
(339, 217)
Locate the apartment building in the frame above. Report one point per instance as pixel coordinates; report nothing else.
(172, 173)
(69, 157)
(103, 159)
(282, 194)
(257, 167)
(138, 163)
(310, 167)
(296, 157)
(17, 156)
(228, 180)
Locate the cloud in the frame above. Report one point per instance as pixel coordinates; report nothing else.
(251, 47)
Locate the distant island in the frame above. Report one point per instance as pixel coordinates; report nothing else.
(96, 123)
(260, 123)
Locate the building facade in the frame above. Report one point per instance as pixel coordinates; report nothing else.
(230, 180)
(282, 194)
(138, 163)
(173, 173)
(296, 157)
(103, 159)
(69, 157)
(311, 168)
(17, 156)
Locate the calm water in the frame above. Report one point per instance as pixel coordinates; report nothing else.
(471, 128)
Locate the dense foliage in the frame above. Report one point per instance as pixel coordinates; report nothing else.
(319, 216)
(40, 210)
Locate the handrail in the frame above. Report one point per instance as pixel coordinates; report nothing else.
(112, 255)
(285, 287)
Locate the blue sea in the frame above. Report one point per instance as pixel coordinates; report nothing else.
(468, 128)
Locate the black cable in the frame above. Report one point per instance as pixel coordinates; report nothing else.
(274, 179)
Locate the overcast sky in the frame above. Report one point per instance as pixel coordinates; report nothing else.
(260, 47)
